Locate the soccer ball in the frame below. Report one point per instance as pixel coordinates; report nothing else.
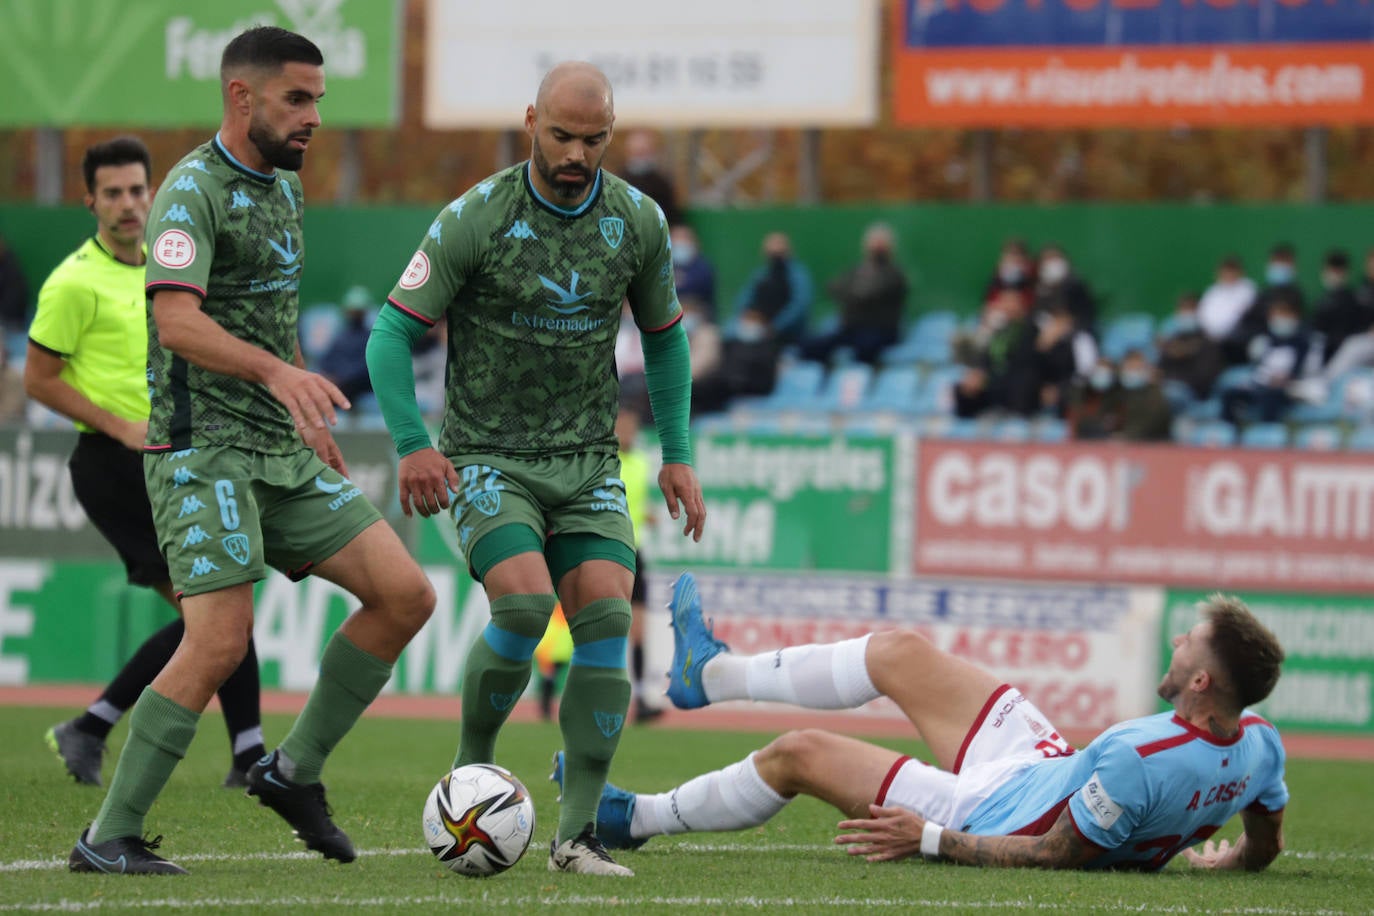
(479, 820)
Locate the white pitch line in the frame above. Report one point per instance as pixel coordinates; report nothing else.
(23, 865)
(718, 903)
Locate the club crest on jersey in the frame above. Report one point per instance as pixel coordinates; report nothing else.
(612, 230)
(236, 545)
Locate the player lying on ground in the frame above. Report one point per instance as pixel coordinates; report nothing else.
(1008, 790)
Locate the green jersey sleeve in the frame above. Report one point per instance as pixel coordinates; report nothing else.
(440, 267)
(652, 292)
(181, 234)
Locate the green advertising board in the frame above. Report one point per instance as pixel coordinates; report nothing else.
(777, 502)
(1328, 677)
(155, 63)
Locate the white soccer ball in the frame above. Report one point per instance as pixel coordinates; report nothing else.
(479, 820)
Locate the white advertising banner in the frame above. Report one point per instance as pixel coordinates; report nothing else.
(717, 63)
(1088, 657)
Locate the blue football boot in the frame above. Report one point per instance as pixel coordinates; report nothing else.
(694, 644)
(614, 812)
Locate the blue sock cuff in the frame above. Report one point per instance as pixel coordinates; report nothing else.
(510, 646)
(604, 653)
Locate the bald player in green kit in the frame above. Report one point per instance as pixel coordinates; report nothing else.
(531, 267)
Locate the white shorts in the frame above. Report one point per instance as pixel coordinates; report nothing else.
(1009, 735)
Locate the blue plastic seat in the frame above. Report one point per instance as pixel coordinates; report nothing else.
(1129, 331)
(894, 389)
(1361, 439)
(936, 394)
(1264, 435)
(844, 388)
(798, 385)
(1050, 429)
(1010, 429)
(1206, 433)
(1318, 437)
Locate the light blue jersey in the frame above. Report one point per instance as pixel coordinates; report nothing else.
(1144, 790)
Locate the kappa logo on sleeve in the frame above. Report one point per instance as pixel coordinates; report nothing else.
(416, 273)
(1099, 803)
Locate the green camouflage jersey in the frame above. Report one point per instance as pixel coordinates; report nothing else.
(533, 295)
(232, 236)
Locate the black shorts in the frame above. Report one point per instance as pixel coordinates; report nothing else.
(639, 592)
(108, 481)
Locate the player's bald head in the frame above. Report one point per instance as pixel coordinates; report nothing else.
(575, 86)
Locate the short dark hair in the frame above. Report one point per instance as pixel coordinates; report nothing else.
(119, 151)
(270, 48)
(1284, 251)
(1249, 654)
(1337, 259)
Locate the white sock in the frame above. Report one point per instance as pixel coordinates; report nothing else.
(730, 799)
(825, 676)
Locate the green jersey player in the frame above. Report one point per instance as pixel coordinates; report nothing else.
(531, 268)
(241, 469)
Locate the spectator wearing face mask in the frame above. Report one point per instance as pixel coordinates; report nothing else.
(748, 366)
(1339, 314)
(345, 361)
(1188, 355)
(1015, 273)
(1365, 291)
(871, 297)
(1002, 362)
(1278, 357)
(693, 275)
(1228, 298)
(779, 292)
(1057, 282)
(644, 170)
(1280, 282)
(1143, 410)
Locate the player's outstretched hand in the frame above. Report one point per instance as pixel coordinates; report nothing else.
(427, 478)
(322, 441)
(309, 396)
(1209, 854)
(888, 833)
(680, 485)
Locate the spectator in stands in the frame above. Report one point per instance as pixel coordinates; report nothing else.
(1002, 362)
(1056, 281)
(1226, 300)
(13, 399)
(1338, 314)
(703, 338)
(14, 291)
(345, 362)
(1365, 292)
(1063, 352)
(748, 366)
(1088, 412)
(1188, 355)
(780, 291)
(644, 170)
(693, 275)
(1280, 282)
(1277, 358)
(1144, 412)
(1015, 273)
(871, 297)
(429, 357)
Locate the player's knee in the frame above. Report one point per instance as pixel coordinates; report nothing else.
(216, 653)
(787, 759)
(894, 651)
(412, 602)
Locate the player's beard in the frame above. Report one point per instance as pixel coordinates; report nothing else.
(567, 190)
(276, 150)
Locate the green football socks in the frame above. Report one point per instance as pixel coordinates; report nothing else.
(159, 733)
(349, 680)
(592, 713)
(498, 670)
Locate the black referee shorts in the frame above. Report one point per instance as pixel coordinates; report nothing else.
(108, 481)
(639, 592)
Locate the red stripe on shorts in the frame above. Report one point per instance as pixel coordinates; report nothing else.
(887, 780)
(977, 724)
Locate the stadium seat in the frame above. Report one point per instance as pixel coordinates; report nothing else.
(1206, 433)
(894, 389)
(1179, 394)
(713, 424)
(927, 342)
(1010, 429)
(1264, 435)
(936, 394)
(1361, 439)
(1050, 429)
(964, 430)
(318, 325)
(1355, 394)
(1319, 437)
(1129, 331)
(844, 388)
(798, 386)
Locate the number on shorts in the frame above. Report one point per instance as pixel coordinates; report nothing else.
(473, 485)
(228, 506)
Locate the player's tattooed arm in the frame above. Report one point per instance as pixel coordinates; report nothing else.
(895, 833)
(1062, 846)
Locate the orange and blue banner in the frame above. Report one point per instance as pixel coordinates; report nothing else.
(1133, 63)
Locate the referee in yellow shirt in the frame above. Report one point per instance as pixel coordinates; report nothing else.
(88, 360)
(637, 476)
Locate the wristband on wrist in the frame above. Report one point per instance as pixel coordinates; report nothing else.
(930, 839)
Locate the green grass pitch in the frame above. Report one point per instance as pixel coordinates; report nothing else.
(243, 859)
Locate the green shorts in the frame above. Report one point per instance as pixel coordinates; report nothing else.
(224, 515)
(555, 497)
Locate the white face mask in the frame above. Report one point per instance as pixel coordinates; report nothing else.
(684, 253)
(1054, 270)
